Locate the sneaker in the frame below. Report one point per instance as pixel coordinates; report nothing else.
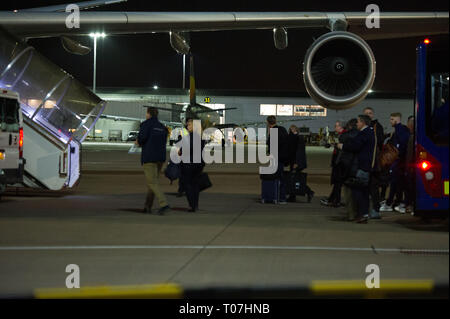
(163, 210)
(386, 208)
(401, 209)
(324, 202)
(383, 202)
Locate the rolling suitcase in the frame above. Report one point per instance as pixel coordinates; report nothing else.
(270, 191)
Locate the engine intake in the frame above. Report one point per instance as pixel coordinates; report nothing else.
(339, 70)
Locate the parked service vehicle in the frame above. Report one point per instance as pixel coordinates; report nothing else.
(132, 136)
(115, 135)
(11, 140)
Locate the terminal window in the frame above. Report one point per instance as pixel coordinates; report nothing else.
(292, 110)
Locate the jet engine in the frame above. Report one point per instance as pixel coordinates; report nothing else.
(339, 70)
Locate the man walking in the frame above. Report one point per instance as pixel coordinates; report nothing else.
(152, 138)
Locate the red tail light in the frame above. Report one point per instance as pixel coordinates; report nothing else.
(430, 171)
(427, 41)
(20, 142)
(424, 165)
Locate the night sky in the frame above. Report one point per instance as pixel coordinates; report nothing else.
(238, 60)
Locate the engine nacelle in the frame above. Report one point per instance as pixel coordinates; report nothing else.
(339, 70)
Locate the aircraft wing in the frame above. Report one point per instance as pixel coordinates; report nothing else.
(261, 123)
(126, 118)
(84, 5)
(32, 24)
(215, 110)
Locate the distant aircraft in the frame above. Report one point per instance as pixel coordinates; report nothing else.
(209, 117)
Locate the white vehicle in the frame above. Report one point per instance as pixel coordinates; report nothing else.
(11, 140)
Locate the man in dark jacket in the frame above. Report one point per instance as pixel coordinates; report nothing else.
(363, 146)
(397, 184)
(153, 138)
(347, 162)
(377, 127)
(297, 159)
(334, 200)
(283, 153)
(192, 166)
(376, 176)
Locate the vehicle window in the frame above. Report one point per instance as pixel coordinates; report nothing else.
(9, 115)
(436, 109)
(439, 108)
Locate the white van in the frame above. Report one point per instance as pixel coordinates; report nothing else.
(11, 139)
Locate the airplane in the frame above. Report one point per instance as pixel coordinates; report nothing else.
(209, 117)
(338, 69)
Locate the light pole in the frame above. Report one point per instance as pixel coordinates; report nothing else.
(184, 71)
(95, 36)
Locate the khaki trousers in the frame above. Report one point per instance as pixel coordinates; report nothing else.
(349, 202)
(151, 171)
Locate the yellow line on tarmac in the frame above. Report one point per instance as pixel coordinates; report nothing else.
(358, 287)
(159, 291)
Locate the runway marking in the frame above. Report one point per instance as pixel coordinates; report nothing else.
(305, 248)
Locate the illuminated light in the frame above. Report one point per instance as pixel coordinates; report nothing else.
(423, 155)
(155, 87)
(446, 188)
(425, 165)
(21, 142)
(2, 156)
(370, 91)
(98, 131)
(427, 41)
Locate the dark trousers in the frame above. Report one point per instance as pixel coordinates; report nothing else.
(190, 173)
(397, 185)
(335, 196)
(361, 200)
(374, 191)
(410, 187)
(282, 182)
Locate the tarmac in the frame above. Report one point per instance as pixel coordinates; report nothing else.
(232, 241)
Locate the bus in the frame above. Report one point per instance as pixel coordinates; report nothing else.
(431, 129)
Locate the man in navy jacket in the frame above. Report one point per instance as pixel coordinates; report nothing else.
(363, 145)
(400, 140)
(152, 138)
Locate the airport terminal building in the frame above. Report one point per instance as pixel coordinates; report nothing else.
(251, 108)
